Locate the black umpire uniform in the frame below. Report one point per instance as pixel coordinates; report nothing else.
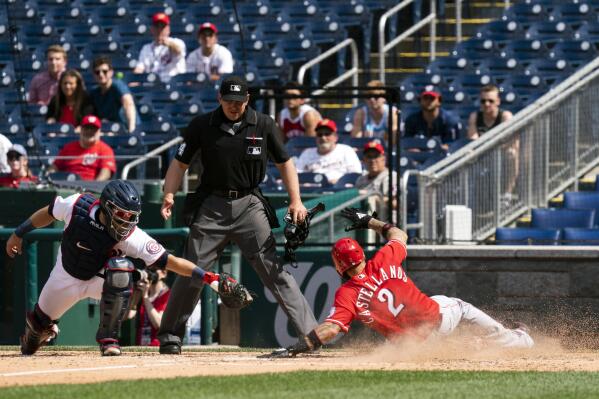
(228, 206)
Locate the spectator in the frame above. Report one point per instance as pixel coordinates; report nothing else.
(433, 121)
(210, 58)
(154, 294)
(44, 84)
(490, 114)
(372, 119)
(5, 145)
(89, 157)
(19, 170)
(71, 102)
(376, 180)
(165, 56)
(112, 98)
(297, 118)
(329, 158)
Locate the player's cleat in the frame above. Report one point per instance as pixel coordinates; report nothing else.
(110, 347)
(170, 348)
(522, 327)
(35, 336)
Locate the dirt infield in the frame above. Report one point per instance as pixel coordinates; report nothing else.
(52, 366)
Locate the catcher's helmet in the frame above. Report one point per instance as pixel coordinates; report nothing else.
(121, 203)
(347, 253)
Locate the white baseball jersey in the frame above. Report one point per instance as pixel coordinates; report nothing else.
(62, 290)
(219, 62)
(341, 160)
(160, 60)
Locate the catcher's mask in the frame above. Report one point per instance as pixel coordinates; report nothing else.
(346, 254)
(121, 203)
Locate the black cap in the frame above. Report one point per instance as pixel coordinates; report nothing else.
(234, 88)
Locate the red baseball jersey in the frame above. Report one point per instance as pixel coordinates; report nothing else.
(146, 334)
(86, 162)
(384, 298)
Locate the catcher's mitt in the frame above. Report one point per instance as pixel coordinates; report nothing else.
(233, 294)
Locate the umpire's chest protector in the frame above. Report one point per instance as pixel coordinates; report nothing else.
(86, 245)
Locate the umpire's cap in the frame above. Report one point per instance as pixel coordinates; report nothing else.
(234, 88)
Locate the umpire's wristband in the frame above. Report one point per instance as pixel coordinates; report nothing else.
(24, 228)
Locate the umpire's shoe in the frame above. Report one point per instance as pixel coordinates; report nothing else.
(109, 347)
(170, 348)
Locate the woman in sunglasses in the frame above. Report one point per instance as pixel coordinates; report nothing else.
(372, 119)
(71, 102)
(19, 170)
(489, 115)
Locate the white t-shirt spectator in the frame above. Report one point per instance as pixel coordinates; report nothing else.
(219, 62)
(343, 159)
(5, 145)
(161, 61)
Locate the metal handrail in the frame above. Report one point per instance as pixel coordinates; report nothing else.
(144, 158)
(350, 73)
(383, 48)
(329, 214)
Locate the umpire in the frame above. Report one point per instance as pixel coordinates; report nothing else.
(235, 143)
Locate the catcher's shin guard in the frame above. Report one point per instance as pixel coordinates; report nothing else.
(39, 330)
(114, 304)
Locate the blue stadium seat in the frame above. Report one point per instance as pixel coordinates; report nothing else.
(313, 182)
(560, 218)
(525, 49)
(471, 83)
(578, 52)
(572, 12)
(524, 84)
(578, 236)
(500, 67)
(588, 31)
(526, 13)
(300, 142)
(346, 181)
(449, 65)
(500, 31)
(549, 32)
(551, 70)
(583, 200)
(527, 236)
(421, 143)
(476, 48)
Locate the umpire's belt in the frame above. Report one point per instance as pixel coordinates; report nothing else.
(231, 194)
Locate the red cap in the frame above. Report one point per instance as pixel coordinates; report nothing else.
(209, 26)
(374, 145)
(330, 124)
(162, 18)
(92, 120)
(431, 93)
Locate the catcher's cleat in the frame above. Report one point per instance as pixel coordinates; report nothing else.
(36, 336)
(110, 347)
(170, 348)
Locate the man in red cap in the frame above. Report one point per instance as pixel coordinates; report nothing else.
(376, 180)
(165, 56)
(379, 293)
(328, 157)
(89, 157)
(433, 121)
(210, 58)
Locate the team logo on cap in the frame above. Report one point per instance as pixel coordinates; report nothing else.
(91, 119)
(236, 88)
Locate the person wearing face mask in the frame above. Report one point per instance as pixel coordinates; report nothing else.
(71, 103)
(89, 157)
(210, 58)
(19, 170)
(165, 56)
(44, 85)
(329, 157)
(372, 119)
(235, 143)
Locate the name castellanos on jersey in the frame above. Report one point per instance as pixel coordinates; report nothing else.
(366, 294)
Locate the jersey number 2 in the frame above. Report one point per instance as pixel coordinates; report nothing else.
(387, 296)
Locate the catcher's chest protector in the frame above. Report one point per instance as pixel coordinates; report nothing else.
(86, 245)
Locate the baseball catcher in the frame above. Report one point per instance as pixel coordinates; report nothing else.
(296, 234)
(379, 294)
(91, 263)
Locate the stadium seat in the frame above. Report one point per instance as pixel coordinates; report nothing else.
(346, 181)
(560, 218)
(578, 52)
(526, 13)
(470, 83)
(583, 200)
(527, 236)
(449, 65)
(500, 31)
(588, 31)
(525, 49)
(572, 12)
(476, 48)
(500, 67)
(578, 236)
(524, 84)
(551, 70)
(421, 143)
(549, 31)
(313, 182)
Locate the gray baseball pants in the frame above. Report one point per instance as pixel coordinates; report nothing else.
(244, 222)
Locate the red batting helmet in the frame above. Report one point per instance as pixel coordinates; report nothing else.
(347, 253)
